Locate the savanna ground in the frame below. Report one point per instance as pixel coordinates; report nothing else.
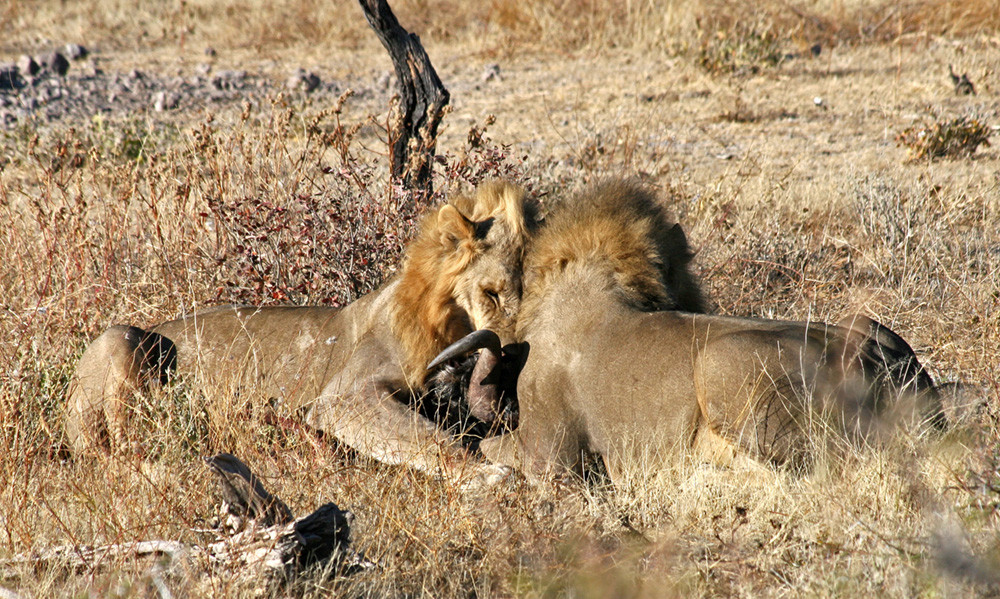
(782, 165)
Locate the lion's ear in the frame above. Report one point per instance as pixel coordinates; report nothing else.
(677, 247)
(483, 227)
(453, 227)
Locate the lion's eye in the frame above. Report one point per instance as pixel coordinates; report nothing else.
(493, 295)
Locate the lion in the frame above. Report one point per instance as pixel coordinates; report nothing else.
(359, 371)
(615, 368)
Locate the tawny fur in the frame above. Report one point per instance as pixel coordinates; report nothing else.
(426, 316)
(615, 370)
(617, 225)
(356, 371)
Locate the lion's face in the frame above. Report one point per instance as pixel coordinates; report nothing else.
(489, 289)
(463, 272)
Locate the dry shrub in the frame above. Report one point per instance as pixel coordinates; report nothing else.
(328, 241)
(952, 138)
(740, 46)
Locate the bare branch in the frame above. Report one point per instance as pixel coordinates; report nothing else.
(423, 99)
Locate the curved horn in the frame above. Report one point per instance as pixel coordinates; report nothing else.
(481, 339)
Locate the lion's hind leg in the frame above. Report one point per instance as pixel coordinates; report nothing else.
(897, 388)
(121, 361)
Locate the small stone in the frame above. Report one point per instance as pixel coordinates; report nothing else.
(209, 51)
(816, 49)
(234, 76)
(135, 74)
(76, 51)
(384, 81)
(55, 62)
(203, 69)
(301, 79)
(490, 73)
(224, 80)
(818, 101)
(165, 101)
(27, 65)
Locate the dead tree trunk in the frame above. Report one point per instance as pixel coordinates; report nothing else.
(413, 127)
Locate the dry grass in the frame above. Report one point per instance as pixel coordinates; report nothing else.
(503, 26)
(799, 212)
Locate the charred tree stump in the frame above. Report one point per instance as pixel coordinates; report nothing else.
(242, 494)
(259, 540)
(264, 533)
(413, 127)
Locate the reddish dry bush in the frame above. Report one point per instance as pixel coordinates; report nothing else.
(482, 159)
(330, 246)
(334, 237)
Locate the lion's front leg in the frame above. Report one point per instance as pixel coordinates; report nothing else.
(369, 418)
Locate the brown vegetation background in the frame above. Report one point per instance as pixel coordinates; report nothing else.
(781, 162)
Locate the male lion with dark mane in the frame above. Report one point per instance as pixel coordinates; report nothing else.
(613, 369)
(359, 370)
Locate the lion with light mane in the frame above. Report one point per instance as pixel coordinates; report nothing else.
(615, 370)
(359, 371)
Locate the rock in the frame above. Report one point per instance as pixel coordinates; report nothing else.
(135, 74)
(55, 62)
(27, 65)
(228, 79)
(384, 81)
(209, 51)
(203, 69)
(301, 79)
(165, 101)
(76, 51)
(490, 73)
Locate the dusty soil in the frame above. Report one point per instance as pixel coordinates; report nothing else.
(805, 120)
